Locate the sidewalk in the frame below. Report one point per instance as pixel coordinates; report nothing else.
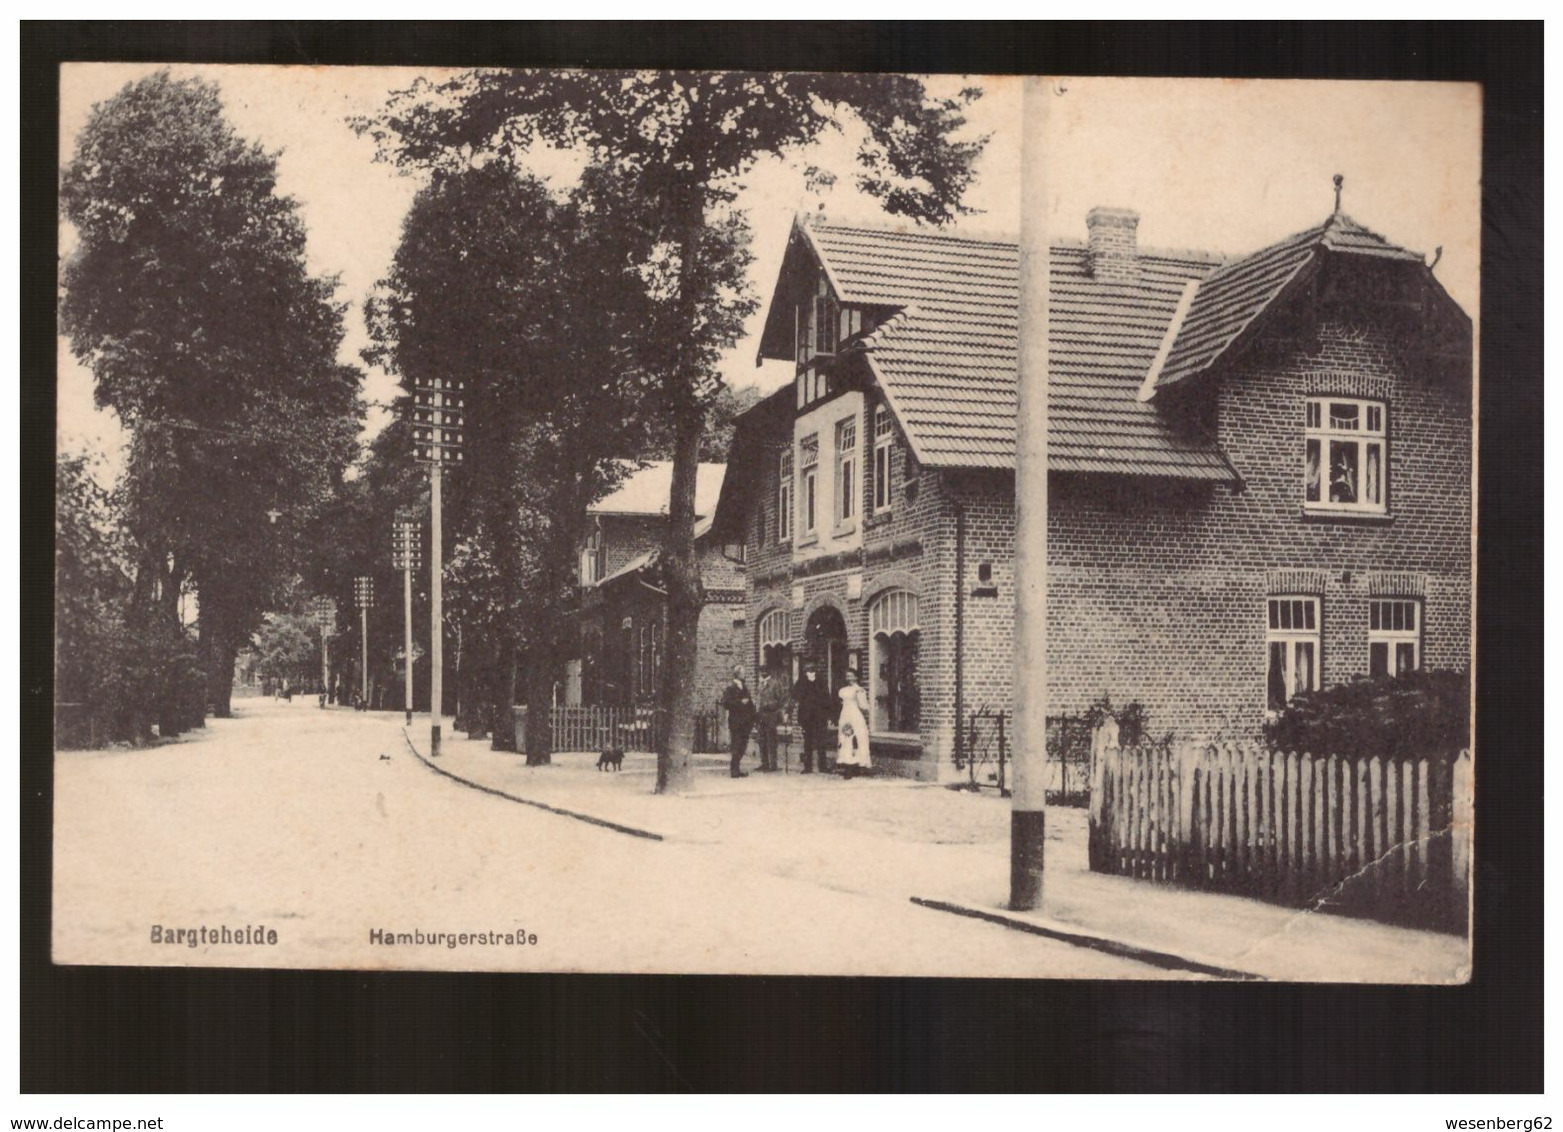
(950, 850)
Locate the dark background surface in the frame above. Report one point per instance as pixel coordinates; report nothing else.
(154, 1030)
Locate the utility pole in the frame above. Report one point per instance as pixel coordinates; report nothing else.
(325, 617)
(363, 588)
(1030, 764)
(438, 412)
(407, 555)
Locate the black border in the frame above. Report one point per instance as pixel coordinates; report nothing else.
(134, 1030)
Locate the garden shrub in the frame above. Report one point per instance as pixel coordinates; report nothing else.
(1420, 714)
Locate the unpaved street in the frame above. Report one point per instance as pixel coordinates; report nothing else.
(322, 826)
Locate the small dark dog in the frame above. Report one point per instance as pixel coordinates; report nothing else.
(611, 758)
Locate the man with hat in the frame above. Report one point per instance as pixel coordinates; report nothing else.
(813, 706)
(739, 703)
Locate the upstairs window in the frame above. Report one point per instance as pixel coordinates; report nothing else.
(1394, 637)
(824, 318)
(1292, 647)
(884, 440)
(1345, 455)
(593, 557)
(846, 469)
(808, 487)
(784, 496)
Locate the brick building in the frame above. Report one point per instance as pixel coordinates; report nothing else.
(623, 616)
(1260, 475)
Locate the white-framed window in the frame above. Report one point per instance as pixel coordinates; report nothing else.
(776, 642)
(1345, 455)
(846, 468)
(1394, 636)
(893, 640)
(808, 481)
(1291, 647)
(784, 495)
(592, 558)
(884, 442)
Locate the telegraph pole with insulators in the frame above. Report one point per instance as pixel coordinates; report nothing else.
(437, 428)
(325, 618)
(407, 556)
(363, 591)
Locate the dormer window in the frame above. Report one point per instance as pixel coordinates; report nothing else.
(1345, 455)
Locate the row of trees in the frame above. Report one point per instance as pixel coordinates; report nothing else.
(188, 297)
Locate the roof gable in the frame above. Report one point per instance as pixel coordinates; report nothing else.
(947, 359)
(1230, 306)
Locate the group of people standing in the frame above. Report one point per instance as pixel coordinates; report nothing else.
(813, 704)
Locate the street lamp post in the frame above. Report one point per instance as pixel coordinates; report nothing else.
(406, 556)
(438, 412)
(325, 617)
(363, 590)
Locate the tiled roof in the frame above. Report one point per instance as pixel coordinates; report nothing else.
(1232, 300)
(645, 491)
(947, 360)
(641, 561)
(647, 560)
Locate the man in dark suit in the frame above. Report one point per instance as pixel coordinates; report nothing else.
(813, 705)
(771, 703)
(739, 704)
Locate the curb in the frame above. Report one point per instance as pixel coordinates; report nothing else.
(1163, 959)
(603, 823)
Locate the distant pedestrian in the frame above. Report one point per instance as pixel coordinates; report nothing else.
(812, 700)
(739, 703)
(772, 702)
(852, 756)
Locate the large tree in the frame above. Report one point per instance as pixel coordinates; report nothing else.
(681, 144)
(189, 298)
(501, 284)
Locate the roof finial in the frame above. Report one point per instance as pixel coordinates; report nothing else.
(1339, 181)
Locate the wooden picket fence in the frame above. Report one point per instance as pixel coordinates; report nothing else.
(598, 728)
(633, 728)
(1381, 837)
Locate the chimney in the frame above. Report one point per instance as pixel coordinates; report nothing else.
(1112, 250)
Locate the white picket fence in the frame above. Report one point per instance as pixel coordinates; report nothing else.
(1389, 837)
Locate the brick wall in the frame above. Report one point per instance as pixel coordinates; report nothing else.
(626, 536)
(1157, 592)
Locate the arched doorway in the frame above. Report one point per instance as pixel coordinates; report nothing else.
(825, 643)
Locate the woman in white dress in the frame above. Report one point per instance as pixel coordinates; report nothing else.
(852, 729)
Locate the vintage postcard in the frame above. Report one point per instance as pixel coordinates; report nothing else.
(765, 523)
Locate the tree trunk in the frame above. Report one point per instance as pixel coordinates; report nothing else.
(681, 575)
(477, 689)
(503, 724)
(539, 704)
(221, 681)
